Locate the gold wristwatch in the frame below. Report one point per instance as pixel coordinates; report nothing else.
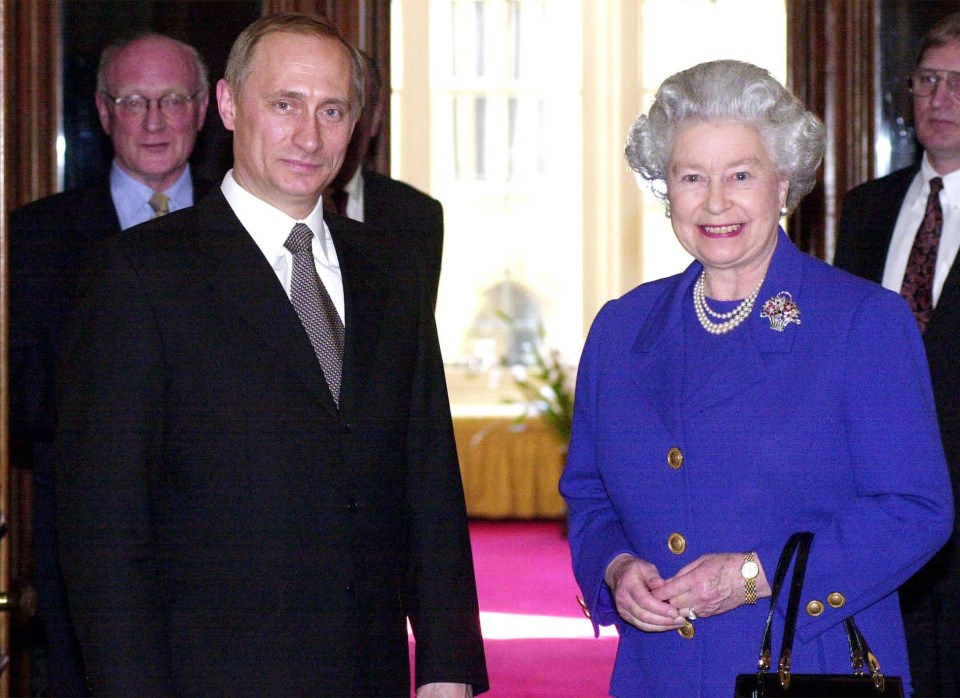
(750, 570)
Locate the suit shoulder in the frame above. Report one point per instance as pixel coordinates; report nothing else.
(639, 300)
(842, 293)
(394, 187)
(60, 205)
(895, 180)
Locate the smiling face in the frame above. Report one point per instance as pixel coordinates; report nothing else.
(291, 121)
(152, 148)
(937, 116)
(725, 201)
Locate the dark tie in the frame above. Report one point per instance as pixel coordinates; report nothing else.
(918, 279)
(315, 308)
(160, 203)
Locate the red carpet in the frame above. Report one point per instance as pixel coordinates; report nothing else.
(537, 641)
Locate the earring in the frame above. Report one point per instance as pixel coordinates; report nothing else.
(784, 211)
(666, 212)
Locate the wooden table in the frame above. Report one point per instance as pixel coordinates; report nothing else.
(510, 470)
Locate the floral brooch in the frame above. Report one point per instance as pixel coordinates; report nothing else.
(781, 310)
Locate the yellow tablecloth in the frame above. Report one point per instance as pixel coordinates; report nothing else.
(510, 470)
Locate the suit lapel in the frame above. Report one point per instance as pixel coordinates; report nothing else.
(372, 212)
(662, 345)
(949, 298)
(248, 287)
(881, 218)
(364, 303)
(659, 350)
(96, 215)
(744, 363)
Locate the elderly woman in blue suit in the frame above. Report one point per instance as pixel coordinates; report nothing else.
(759, 393)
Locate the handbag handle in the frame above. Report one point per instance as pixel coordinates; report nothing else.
(799, 543)
(782, 566)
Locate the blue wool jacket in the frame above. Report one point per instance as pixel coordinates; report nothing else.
(828, 426)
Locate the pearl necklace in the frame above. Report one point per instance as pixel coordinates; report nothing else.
(731, 319)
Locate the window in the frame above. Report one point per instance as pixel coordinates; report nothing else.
(513, 113)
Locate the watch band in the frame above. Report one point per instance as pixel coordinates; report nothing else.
(750, 570)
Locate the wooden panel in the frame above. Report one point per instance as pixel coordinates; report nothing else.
(32, 41)
(832, 68)
(5, 498)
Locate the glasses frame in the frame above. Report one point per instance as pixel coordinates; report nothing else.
(118, 102)
(940, 76)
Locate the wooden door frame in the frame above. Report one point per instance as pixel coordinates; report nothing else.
(5, 498)
(832, 67)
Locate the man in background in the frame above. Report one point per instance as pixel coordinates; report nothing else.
(258, 483)
(370, 197)
(903, 231)
(152, 94)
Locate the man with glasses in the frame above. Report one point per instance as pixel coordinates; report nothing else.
(903, 231)
(152, 95)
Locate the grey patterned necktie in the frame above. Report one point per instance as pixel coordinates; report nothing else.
(315, 308)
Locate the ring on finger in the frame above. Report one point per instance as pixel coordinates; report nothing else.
(691, 614)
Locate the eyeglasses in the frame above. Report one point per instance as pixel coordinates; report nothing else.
(923, 82)
(172, 104)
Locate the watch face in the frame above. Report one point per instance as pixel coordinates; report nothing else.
(750, 570)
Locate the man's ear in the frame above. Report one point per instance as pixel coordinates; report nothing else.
(103, 110)
(226, 104)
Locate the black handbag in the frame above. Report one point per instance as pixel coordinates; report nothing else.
(864, 680)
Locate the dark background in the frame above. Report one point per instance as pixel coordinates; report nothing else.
(89, 25)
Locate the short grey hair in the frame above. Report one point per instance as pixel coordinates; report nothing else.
(110, 53)
(243, 51)
(729, 90)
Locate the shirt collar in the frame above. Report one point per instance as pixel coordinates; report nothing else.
(951, 183)
(131, 198)
(268, 225)
(354, 187)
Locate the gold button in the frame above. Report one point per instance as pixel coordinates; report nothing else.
(687, 631)
(677, 543)
(675, 458)
(815, 608)
(836, 600)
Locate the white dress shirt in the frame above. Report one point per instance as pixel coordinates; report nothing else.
(131, 199)
(911, 214)
(269, 228)
(354, 189)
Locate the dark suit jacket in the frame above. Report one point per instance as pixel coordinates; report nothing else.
(866, 226)
(49, 240)
(397, 208)
(224, 529)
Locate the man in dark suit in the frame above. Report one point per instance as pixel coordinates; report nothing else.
(244, 509)
(878, 227)
(389, 204)
(152, 97)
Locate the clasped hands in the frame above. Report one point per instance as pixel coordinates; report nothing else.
(711, 585)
